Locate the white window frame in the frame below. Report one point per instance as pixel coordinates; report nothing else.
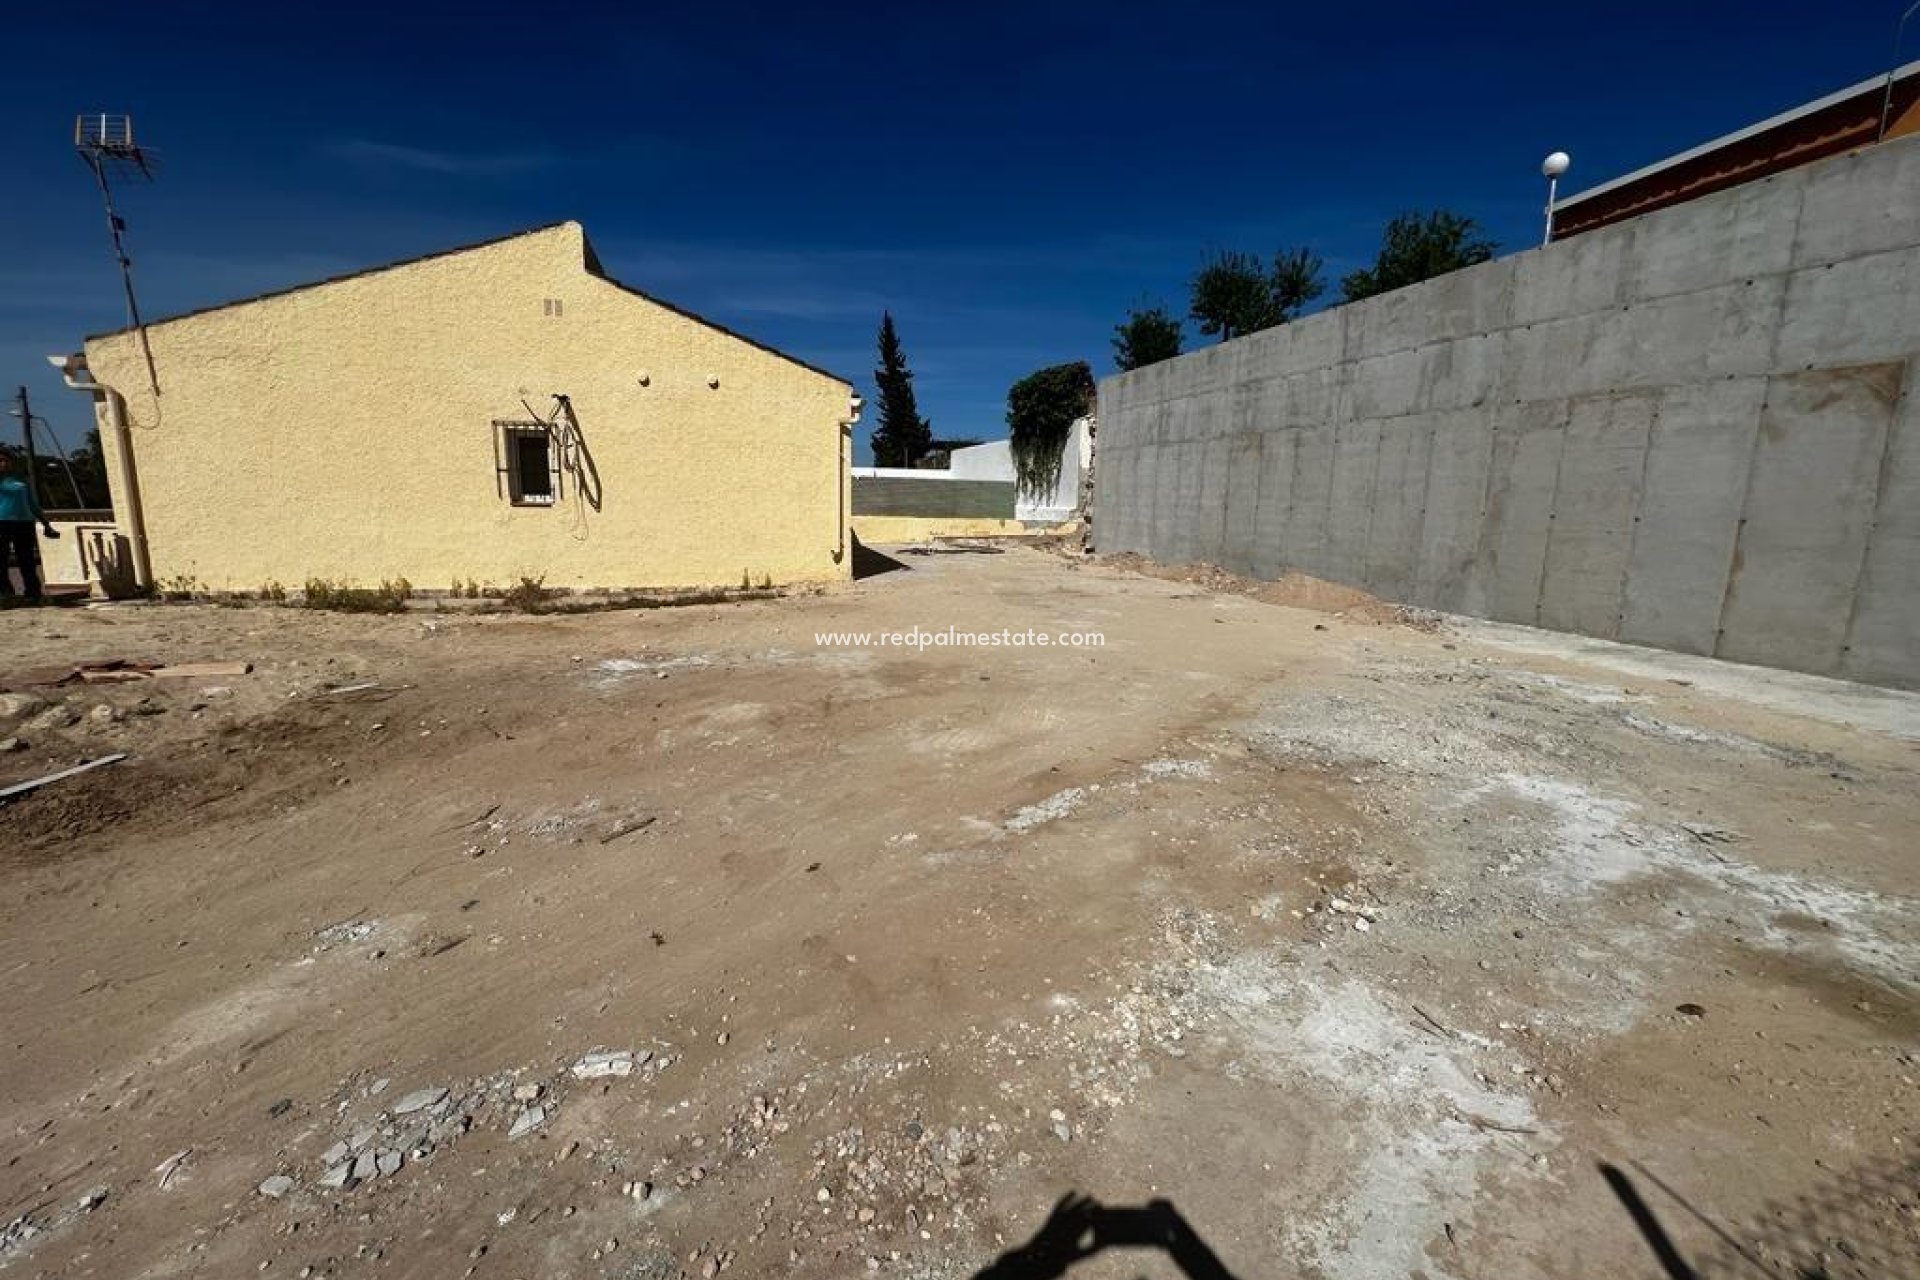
(506, 461)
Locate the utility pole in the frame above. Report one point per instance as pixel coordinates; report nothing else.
(25, 411)
(26, 433)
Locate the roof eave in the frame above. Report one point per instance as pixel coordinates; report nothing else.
(1877, 83)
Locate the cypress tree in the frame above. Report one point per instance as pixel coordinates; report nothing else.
(902, 436)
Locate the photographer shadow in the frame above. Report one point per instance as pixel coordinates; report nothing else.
(1080, 1227)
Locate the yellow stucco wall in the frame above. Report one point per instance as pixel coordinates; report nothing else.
(346, 432)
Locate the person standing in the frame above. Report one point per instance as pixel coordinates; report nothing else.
(19, 511)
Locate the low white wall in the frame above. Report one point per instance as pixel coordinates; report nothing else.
(901, 473)
(994, 461)
(990, 461)
(73, 559)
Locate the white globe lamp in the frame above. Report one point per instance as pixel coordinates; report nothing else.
(1556, 163)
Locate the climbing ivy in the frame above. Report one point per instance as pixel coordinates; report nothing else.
(1041, 409)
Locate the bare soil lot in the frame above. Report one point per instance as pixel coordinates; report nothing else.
(1364, 945)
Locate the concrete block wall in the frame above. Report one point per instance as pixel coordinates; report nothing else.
(931, 495)
(1698, 430)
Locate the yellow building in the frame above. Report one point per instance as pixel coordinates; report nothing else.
(495, 412)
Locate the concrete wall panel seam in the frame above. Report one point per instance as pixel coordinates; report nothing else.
(1633, 528)
(1882, 484)
(1673, 423)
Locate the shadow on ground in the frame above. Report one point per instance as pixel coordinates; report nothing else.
(1080, 1227)
(1859, 1222)
(868, 563)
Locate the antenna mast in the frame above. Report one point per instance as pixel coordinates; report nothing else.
(105, 143)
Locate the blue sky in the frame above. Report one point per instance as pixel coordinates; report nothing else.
(1007, 179)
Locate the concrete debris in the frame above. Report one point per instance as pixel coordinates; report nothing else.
(611, 672)
(527, 1121)
(21, 1231)
(1054, 807)
(418, 1100)
(276, 1186)
(17, 1233)
(346, 931)
(15, 706)
(1159, 770)
(610, 1062)
(57, 716)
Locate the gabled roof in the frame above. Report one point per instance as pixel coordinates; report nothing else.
(592, 265)
(595, 269)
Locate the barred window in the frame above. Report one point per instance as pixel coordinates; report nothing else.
(526, 463)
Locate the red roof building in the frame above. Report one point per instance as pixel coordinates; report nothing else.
(1862, 115)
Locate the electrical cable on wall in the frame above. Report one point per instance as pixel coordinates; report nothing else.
(573, 458)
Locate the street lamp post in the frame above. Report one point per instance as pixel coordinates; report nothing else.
(1551, 168)
(1886, 98)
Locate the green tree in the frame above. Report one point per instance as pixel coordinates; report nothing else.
(89, 463)
(902, 436)
(1147, 336)
(78, 481)
(1041, 409)
(1296, 281)
(1416, 247)
(1233, 295)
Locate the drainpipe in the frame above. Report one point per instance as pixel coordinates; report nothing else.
(843, 486)
(74, 371)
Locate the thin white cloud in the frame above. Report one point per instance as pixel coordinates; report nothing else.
(809, 304)
(452, 164)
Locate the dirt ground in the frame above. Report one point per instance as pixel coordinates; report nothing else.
(1376, 950)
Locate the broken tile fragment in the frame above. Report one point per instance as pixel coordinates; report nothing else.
(527, 1121)
(606, 1062)
(418, 1100)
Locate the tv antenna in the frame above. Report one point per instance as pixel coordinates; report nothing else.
(105, 143)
